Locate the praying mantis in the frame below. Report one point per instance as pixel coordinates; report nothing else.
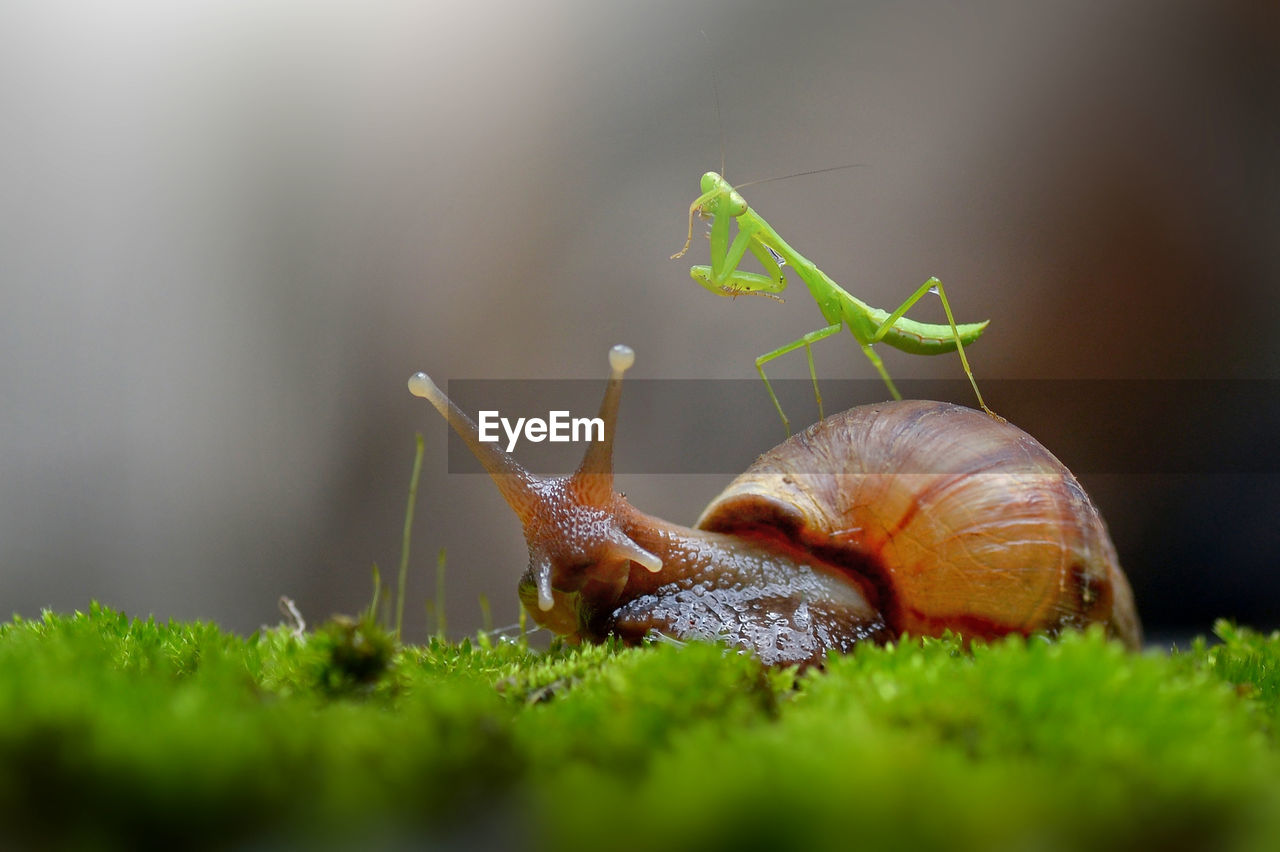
(869, 326)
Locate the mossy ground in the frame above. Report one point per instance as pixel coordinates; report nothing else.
(116, 732)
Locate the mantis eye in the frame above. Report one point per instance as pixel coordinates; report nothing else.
(736, 204)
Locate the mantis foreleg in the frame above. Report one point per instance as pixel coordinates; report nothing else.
(723, 275)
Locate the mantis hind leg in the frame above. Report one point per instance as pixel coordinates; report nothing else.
(807, 342)
(879, 365)
(932, 285)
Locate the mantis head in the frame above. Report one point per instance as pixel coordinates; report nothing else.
(718, 198)
(719, 194)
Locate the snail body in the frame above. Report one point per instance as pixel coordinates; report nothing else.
(903, 517)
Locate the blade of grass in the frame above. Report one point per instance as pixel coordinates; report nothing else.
(486, 616)
(377, 592)
(408, 531)
(440, 622)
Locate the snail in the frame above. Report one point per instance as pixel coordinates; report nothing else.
(903, 517)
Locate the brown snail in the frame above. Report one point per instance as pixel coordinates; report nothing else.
(903, 517)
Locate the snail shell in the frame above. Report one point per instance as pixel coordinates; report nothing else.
(952, 519)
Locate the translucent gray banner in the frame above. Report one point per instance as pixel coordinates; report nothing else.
(720, 426)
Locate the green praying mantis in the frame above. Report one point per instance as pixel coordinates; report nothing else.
(869, 326)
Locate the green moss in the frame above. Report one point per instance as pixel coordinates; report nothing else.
(115, 730)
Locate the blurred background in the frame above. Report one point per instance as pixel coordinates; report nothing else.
(229, 231)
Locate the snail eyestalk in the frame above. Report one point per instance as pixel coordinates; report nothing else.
(594, 479)
(512, 480)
